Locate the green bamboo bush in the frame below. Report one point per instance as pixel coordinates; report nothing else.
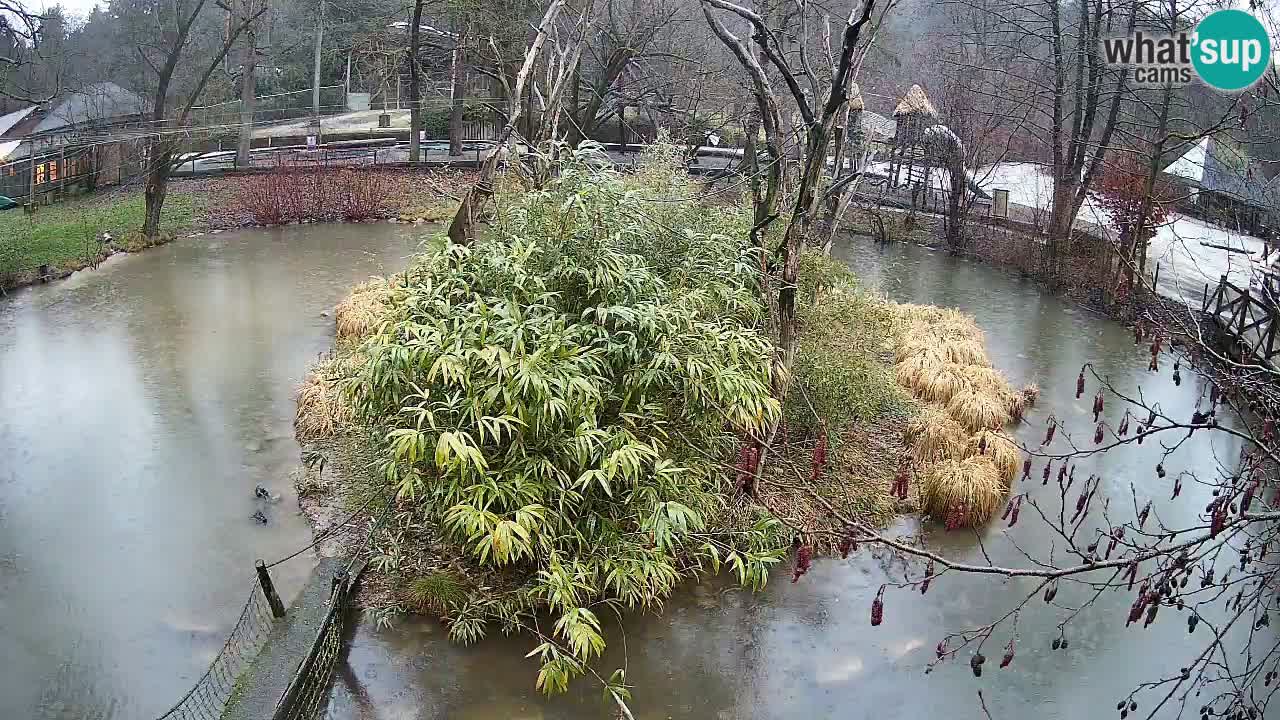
(560, 399)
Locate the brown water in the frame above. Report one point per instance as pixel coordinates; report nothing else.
(139, 406)
(807, 650)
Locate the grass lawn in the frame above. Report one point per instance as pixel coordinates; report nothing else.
(64, 235)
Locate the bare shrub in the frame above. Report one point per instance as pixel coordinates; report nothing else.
(293, 194)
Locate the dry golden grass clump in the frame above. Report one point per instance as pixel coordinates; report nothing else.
(942, 384)
(992, 381)
(978, 410)
(359, 315)
(1002, 451)
(912, 372)
(965, 464)
(322, 406)
(933, 436)
(1030, 394)
(963, 492)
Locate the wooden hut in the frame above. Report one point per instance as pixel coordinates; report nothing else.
(907, 164)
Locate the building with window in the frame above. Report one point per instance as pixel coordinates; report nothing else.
(78, 141)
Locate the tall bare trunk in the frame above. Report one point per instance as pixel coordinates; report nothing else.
(248, 94)
(458, 94)
(160, 158)
(415, 85)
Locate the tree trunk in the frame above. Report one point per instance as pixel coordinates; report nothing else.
(1061, 220)
(160, 157)
(415, 85)
(457, 95)
(956, 210)
(248, 93)
(315, 73)
(575, 136)
(462, 227)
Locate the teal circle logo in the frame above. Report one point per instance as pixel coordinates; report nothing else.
(1232, 50)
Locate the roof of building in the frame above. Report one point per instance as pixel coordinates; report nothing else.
(1218, 167)
(93, 103)
(15, 117)
(915, 101)
(877, 126)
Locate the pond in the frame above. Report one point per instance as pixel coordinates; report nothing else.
(807, 650)
(140, 405)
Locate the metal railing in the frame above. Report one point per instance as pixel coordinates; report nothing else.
(207, 699)
(307, 691)
(305, 696)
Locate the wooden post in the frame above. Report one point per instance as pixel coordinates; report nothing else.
(31, 166)
(269, 589)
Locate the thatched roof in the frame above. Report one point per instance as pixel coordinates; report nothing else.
(855, 99)
(915, 101)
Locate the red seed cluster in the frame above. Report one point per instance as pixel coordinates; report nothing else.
(847, 544)
(804, 557)
(901, 482)
(1080, 385)
(1246, 499)
(819, 454)
(1048, 433)
(928, 577)
(1097, 434)
(1140, 604)
(1218, 517)
(957, 516)
(1097, 405)
(1017, 508)
(748, 461)
(1124, 425)
(1008, 656)
(877, 608)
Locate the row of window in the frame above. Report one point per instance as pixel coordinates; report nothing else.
(47, 172)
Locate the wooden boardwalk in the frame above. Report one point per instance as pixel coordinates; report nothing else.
(1248, 318)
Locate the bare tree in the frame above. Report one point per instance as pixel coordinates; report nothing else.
(559, 69)
(164, 35)
(415, 82)
(983, 108)
(248, 74)
(818, 123)
(20, 48)
(623, 36)
(462, 227)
